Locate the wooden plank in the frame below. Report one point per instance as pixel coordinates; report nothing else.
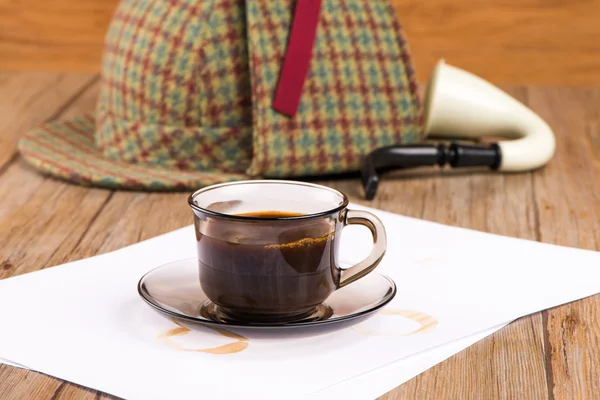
(27, 111)
(61, 35)
(69, 391)
(129, 218)
(568, 200)
(505, 41)
(42, 219)
(31, 98)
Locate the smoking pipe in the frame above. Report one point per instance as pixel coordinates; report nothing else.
(459, 104)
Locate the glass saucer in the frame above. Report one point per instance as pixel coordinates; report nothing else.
(174, 289)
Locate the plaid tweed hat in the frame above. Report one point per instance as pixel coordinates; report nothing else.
(196, 92)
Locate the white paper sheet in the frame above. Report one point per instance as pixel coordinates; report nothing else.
(378, 382)
(85, 323)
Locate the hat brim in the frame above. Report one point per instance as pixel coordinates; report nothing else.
(66, 150)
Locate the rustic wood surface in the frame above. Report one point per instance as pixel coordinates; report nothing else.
(504, 41)
(553, 354)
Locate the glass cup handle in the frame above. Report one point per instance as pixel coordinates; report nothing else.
(354, 273)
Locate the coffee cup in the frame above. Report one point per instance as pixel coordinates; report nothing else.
(268, 250)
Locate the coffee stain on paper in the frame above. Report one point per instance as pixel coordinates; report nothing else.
(426, 322)
(240, 344)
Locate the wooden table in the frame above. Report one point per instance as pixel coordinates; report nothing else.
(510, 41)
(552, 354)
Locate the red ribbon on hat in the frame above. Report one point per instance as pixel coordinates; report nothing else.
(298, 56)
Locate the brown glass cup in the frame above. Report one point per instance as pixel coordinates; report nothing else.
(268, 250)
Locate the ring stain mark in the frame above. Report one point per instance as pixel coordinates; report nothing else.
(179, 331)
(426, 322)
(239, 345)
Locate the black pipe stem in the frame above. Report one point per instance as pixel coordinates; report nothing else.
(410, 156)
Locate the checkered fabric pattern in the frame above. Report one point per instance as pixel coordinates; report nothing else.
(66, 150)
(360, 94)
(187, 89)
(176, 90)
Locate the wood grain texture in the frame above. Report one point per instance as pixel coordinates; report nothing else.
(63, 35)
(30, 98)
(41, 220)
(567, 195)
(504, 41)
(507, 41)
(550, 354)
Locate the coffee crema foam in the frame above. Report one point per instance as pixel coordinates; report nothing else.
(307, 242)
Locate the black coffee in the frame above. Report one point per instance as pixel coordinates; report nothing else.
(267, 269)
